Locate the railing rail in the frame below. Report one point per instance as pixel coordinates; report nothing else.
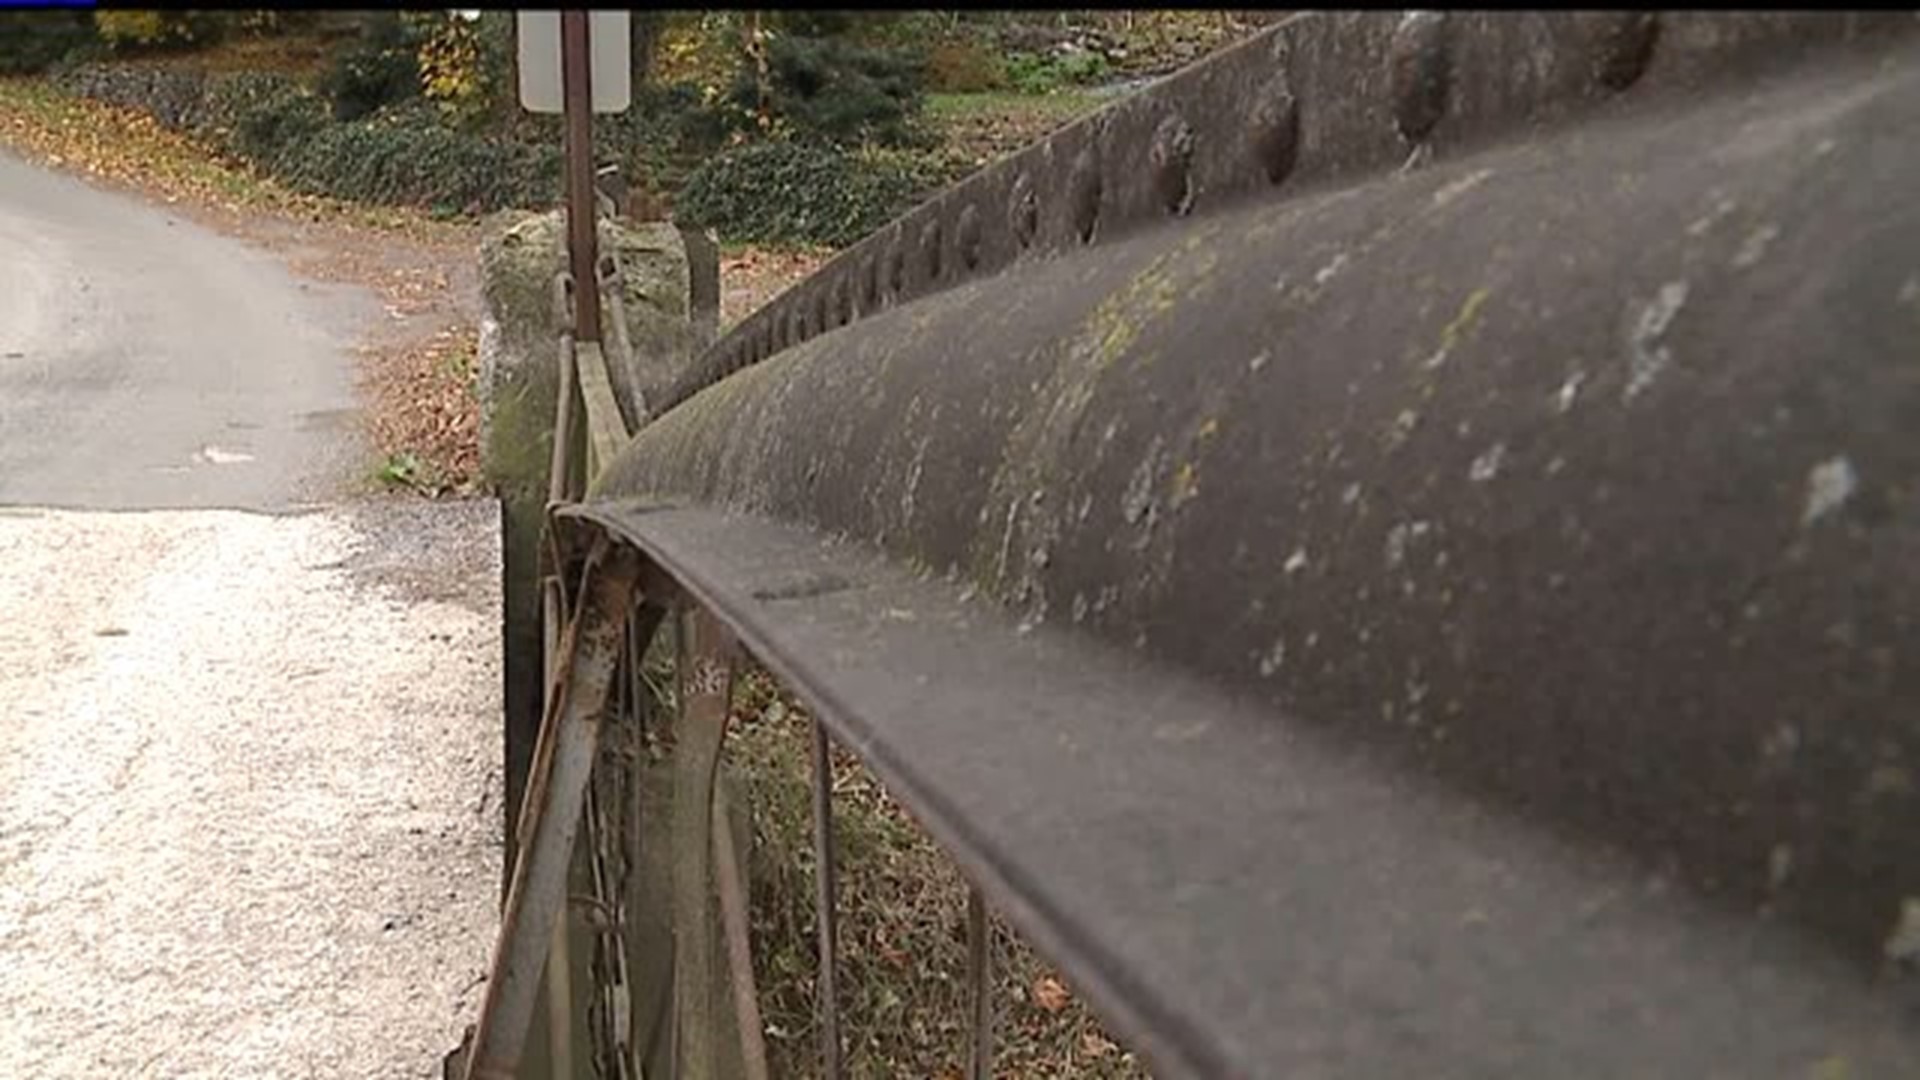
(1284, 439)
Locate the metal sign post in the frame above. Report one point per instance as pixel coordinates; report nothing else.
(576, 77)
(577, 63)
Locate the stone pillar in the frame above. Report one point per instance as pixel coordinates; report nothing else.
(519, 257)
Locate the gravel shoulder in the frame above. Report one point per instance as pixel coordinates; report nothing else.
(249, 801)
(249, 761)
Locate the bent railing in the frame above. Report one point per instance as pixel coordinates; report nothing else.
(1391, 552)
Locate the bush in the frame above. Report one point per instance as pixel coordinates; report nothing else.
(467, 67)
(399, 156)
(1048, 72)
(261, 117)
(786, 193)
(833, 90)
(172, 96)
(137, 30)
(33, 41)
(380, 69)
(408, 157)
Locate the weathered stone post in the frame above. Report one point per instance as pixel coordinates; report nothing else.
(520, 256)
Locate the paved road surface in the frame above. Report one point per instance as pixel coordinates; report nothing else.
(248, 757)
(145, 361)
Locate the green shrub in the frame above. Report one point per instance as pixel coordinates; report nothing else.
(137, 31)
(172, 96)
(33, 41)
(662, 138)
(683, 118)
(835, 90)
(379, 69)
(1050, 72)
(408, 157)
(787, 193)
(260, 117)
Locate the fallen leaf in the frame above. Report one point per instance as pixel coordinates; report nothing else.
(1051, 994)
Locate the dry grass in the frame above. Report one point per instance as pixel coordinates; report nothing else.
(976, 130)
(750, 276)
(904, 1003)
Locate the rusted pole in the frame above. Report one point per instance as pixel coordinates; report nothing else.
(555, 616)
(561, 472)
(576, 86)
(707, 654)
(739, 941)
(589, 654)
(980, 978)
(559, 979)
(825, 916)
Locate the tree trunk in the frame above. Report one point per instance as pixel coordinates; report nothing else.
(645, 29)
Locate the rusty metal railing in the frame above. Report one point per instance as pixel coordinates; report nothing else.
(1359, 554)
(599, 616)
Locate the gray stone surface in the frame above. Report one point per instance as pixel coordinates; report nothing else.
(520, 255)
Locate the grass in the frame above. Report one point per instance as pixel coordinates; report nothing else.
(978, 129)
(734, 249)
(399, 469)
(1064, 106)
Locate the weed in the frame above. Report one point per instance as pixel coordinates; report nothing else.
(400, 470)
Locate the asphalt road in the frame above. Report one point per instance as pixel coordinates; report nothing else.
(148, 362)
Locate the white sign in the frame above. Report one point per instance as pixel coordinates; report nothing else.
(612, 61)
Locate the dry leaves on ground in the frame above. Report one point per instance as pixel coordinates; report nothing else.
(751, 276)
(422, 413)
(1051, 994)
(118, 145)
